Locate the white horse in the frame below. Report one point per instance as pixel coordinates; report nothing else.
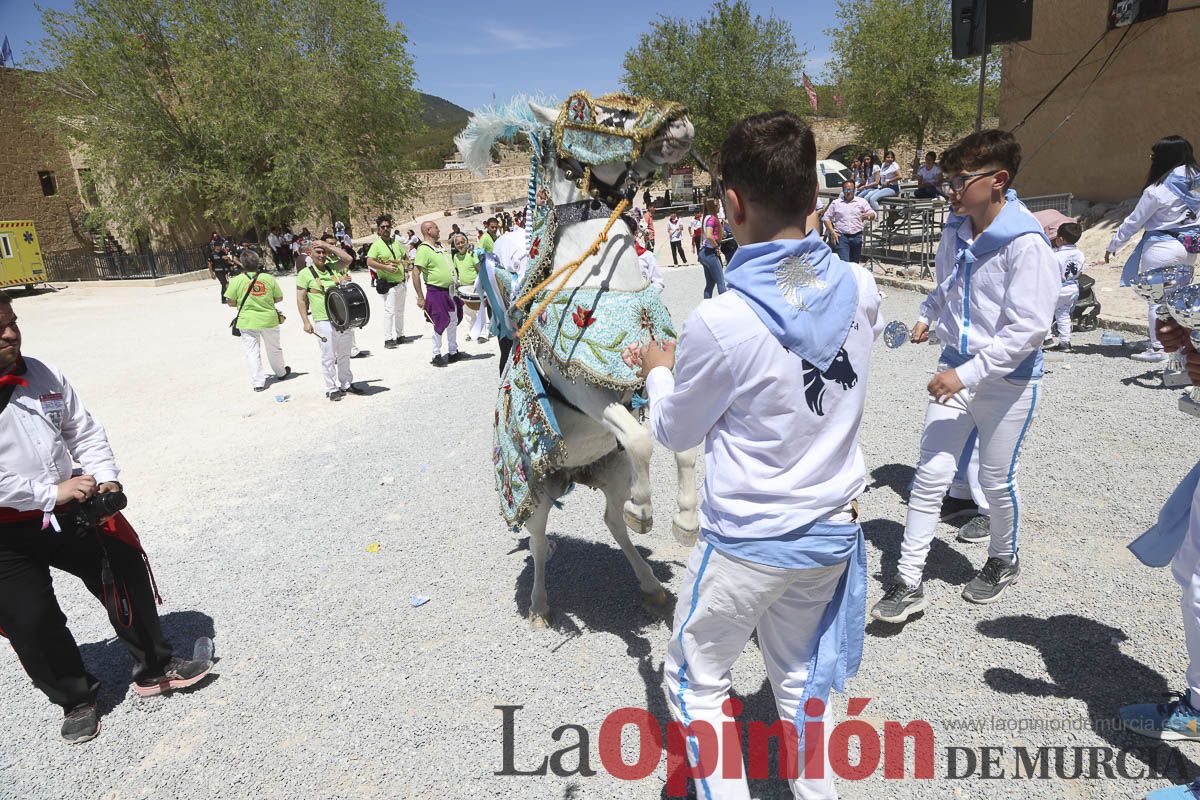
(606, 447)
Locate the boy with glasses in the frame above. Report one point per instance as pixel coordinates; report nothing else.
(993, 308)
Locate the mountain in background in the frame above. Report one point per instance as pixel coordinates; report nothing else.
(443, 120)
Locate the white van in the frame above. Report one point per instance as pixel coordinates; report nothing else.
(830, 175)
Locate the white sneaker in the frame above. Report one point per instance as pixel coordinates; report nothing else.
(1149, 356)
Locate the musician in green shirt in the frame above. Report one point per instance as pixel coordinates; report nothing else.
(315, 277)
(433, 280)
(386, 257)
(254, 292)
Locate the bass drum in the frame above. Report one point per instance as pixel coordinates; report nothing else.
(347, 306)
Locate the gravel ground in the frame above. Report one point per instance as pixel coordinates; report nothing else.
(260, 518)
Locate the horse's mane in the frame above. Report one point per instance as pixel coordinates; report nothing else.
(493, 124)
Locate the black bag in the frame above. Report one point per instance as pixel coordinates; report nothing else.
(382, 285)
(233, 328)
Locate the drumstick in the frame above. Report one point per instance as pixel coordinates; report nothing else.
(319, 336)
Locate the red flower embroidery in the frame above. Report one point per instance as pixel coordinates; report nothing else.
(582, 317)
(516, 351)
(533, 250)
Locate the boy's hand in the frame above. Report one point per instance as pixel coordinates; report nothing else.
(655, 354)
(632, 356)
(945, 385)
(919, 333)
(1172, 335)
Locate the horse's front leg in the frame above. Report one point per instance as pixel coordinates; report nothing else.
(539, 607)
(639, 446)
(686, 524)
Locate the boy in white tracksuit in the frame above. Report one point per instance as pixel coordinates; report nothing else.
(780, 550)
(1175, 540)
(993, 310)
(1070, 262)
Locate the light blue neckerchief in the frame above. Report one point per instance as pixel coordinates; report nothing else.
(1157, 546)
(823, 294)
(1185, 188)
(1014, 220)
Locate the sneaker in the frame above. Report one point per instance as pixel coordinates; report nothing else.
(391, 344)
(361, 354)
(178, 674)
(1149, 355)
(336, 396)
(978, 529)
(989, 585)
(1172, 721)
(287, 373)
(1190, 791)
(900, 602)
(457, 357)
(957, 507)
(260, 388)
(80, 724)
(438, 361)
(354, 388)
(1060, 347)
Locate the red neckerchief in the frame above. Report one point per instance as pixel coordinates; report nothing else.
(14, 378)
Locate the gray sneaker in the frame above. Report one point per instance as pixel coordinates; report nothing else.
(80, 724)
(977, 530)
(900, 602)
(991, 582)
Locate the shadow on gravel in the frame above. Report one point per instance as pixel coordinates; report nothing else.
(944, 563)
(1151, 379)
(368, 389)
(110, 663)
(1106, 350)
(591, 588)
(1085, 662)
(897, 477)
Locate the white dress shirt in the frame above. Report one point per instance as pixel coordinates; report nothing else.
(772, 463)
(650, 271)
(1014, 291)
(1158, 209)
(41, 428)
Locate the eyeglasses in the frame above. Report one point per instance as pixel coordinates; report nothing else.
(959, 183)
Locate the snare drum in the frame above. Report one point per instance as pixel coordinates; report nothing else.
(347, 306)
(469, 296)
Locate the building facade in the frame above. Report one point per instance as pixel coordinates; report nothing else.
(1092, 137)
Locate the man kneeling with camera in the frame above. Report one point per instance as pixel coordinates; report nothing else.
(50, 519)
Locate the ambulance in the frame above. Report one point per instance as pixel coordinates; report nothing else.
(20, 255)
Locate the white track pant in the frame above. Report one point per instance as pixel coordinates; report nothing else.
(451, 333)
(1002, 410)
(1067, 297)
(1162, 254)
(966, 478)
(393, 311)
(721, 603)
(335, 357)
(1186, 568)
(255, 343)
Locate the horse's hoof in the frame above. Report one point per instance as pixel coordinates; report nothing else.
(638, 524)
(539, 622)
(658, 598)
(685, 536)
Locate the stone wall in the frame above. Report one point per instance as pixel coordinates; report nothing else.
(26, 151)
(1148, 91)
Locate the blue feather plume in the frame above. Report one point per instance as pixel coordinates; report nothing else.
(497, 124)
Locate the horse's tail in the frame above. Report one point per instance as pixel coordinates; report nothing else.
(495, 124)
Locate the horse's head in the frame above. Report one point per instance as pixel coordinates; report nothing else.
(621, 140)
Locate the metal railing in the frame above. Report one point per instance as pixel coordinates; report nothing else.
(1059, 202)
(112, 266)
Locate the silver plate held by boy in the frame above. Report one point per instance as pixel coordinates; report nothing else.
(1184, 307)
(896, 334)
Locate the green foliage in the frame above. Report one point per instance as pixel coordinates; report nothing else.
(892, 64)
(725, 66)
(253, 110)
(443, 120)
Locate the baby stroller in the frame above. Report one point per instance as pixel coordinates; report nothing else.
(1085, 316)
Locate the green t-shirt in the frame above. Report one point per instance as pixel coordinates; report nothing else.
(315, 289)
(259, 311)
(434, 265)
(467, 266)
(487, 242)
(381, 251)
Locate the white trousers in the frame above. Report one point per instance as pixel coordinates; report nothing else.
(1162, 254)
(451, 336)
(1002, 411)
(723, 600)
(393, 311)
(966, 479)
(1186, 569)
(255, 342)
(1067, 297)
(335, 356)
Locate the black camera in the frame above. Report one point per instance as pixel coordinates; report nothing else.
(90, 512)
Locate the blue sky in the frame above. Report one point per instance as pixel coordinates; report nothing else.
(466, 51)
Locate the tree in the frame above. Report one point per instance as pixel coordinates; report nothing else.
(726, 66)
(253, 110)
(892, 63)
